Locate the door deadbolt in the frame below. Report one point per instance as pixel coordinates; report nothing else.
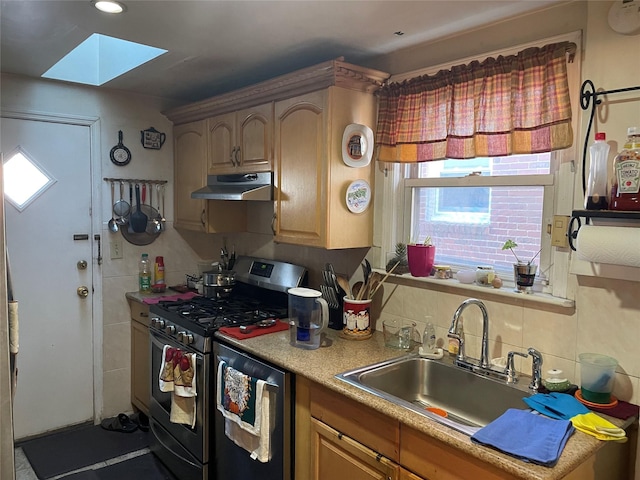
(82, 264)
(83, 292)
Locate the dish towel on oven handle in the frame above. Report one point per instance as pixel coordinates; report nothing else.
(183, 397)
(165, 375)
(245, 405)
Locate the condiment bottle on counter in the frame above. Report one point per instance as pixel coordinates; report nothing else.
(144, 276)
(625, 192)
(596, 195)
(158, 274)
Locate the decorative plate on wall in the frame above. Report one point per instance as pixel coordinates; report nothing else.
(357, 145)
(358, 196)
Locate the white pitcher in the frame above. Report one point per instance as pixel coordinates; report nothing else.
(308, 317)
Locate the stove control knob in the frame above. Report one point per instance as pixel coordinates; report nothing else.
(187, 339)
(157, 323)
(170, 329)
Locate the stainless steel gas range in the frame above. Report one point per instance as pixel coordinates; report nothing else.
(259, 294)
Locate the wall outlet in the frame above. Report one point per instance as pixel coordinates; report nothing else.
(559, 231)
(116, 248)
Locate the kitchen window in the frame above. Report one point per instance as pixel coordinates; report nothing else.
(470, 207)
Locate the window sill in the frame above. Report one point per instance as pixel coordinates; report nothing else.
(504, 294)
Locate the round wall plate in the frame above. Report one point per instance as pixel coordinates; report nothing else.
(357, 145)
(624, 17)
(358, 196)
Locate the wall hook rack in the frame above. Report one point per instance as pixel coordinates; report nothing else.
(135, 180)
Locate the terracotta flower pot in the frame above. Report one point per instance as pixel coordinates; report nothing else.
(421, 259)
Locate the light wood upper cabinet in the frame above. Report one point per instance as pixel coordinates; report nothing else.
(210, 216)
(311, 179)
(241, 142)
(189, 175)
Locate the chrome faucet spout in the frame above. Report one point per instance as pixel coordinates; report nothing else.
(484, 353)
(536, 369)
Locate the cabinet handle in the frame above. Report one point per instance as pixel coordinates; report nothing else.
(144, 314)
(273, 224)
(202, 218)
(232, 156)
(237, 156)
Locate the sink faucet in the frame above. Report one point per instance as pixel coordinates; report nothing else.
(536, 369)
(484, 354)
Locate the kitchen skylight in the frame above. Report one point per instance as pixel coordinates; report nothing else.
(100, 59)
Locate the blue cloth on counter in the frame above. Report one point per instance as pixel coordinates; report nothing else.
(556, 405)
(527, 436)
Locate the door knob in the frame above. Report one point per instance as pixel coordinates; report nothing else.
(83, 291)
(82, 264)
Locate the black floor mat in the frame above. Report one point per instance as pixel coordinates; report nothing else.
(144, 467)
(80, 447)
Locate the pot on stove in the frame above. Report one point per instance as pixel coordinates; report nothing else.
(218, 284)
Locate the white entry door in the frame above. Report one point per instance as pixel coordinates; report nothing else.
(49, 242)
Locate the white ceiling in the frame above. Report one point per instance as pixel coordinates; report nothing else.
(217, 46)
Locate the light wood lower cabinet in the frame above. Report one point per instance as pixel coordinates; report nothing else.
(140, 368)
(338, 456)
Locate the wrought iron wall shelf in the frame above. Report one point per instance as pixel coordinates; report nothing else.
(576, 215)
(587, 93)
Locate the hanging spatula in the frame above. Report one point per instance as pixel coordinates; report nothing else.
(138, 219)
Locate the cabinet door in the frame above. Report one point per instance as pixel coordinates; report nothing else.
(338, 456)
(300, 149)
(222, 154)
(189, 174)
(140, 376)
(407, 475)
(255, 138)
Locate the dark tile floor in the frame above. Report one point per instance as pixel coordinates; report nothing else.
(25, 472)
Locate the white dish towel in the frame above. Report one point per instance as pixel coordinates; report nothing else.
(183, 397)
(233, 399)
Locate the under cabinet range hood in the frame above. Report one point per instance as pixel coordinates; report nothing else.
(249, 186)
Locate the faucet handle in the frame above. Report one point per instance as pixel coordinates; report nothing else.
(510, 369)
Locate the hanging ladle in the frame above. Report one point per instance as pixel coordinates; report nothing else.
(113, 225)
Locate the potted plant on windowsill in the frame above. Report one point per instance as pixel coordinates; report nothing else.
(524, 273)
(421, 257)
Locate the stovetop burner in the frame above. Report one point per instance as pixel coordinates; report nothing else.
(206, 315)
(260, 293)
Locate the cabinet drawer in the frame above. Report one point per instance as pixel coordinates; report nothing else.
(140, 312)
(436, 461)
(372, 429)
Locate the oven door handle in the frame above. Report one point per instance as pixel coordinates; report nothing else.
(160, 341)
(270, 386)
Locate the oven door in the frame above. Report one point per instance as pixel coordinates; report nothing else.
(194, 440)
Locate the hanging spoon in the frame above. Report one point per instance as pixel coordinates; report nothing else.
(163, 221)
(113, 225)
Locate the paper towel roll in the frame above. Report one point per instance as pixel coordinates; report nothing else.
(613, 245)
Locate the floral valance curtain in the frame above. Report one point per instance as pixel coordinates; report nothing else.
(506, 105)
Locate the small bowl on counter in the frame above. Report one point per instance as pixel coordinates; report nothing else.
(466, 276)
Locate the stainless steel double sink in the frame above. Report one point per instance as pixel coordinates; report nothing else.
(470, 400)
